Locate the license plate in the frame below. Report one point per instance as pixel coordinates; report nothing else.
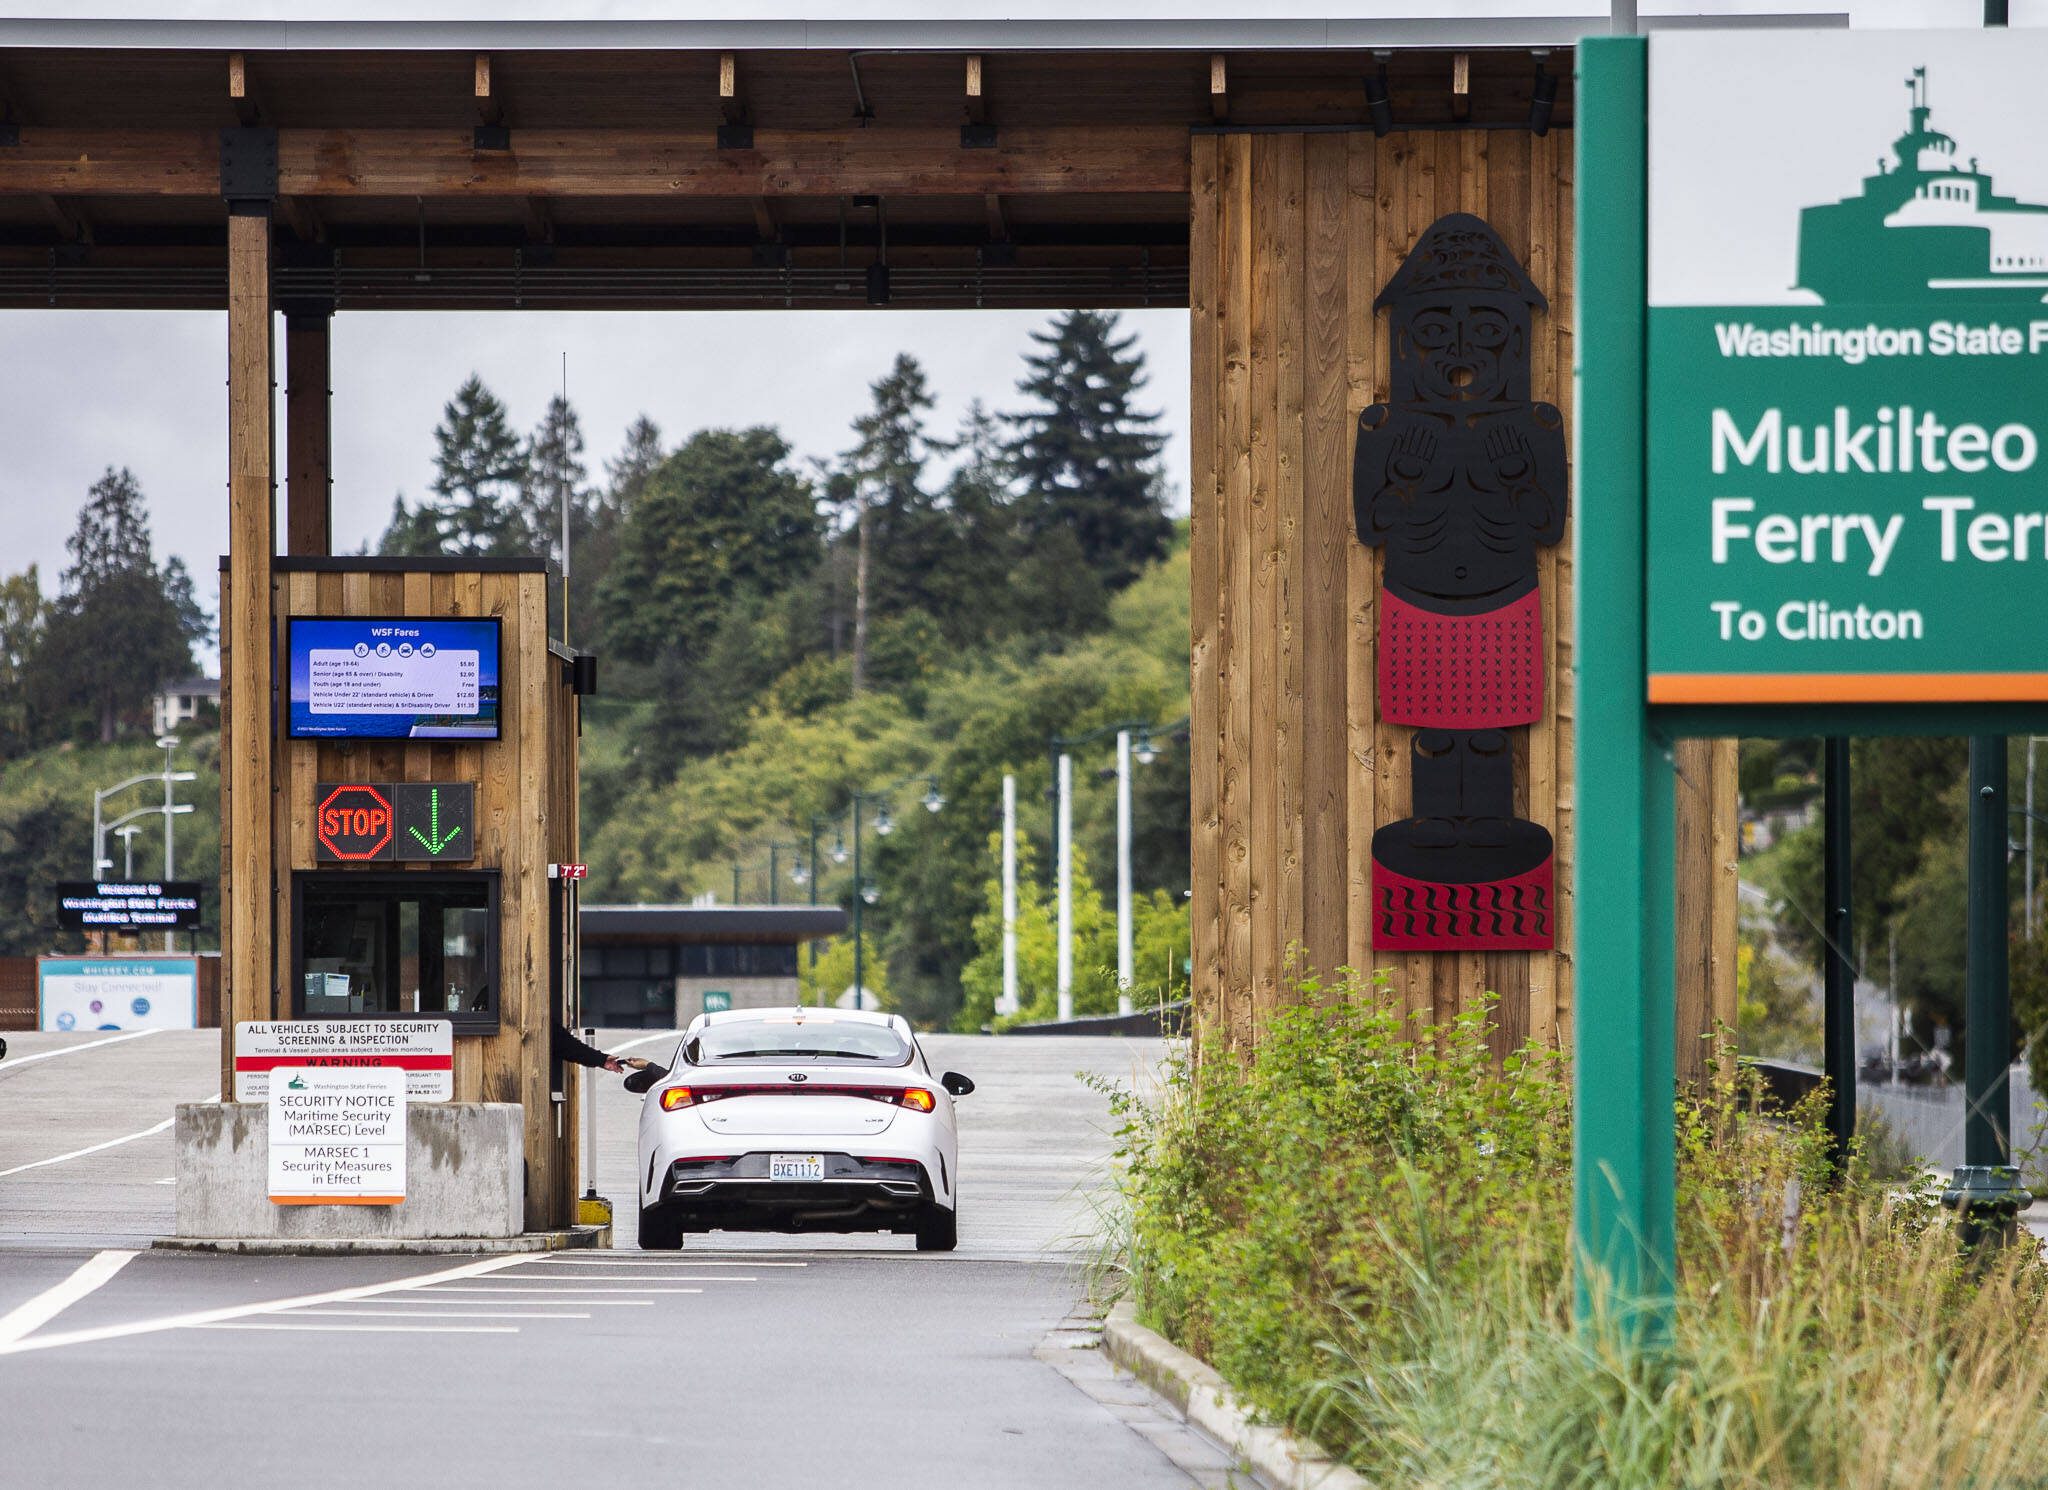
(796, 1166)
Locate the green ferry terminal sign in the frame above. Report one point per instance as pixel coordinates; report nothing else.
(1847, 393)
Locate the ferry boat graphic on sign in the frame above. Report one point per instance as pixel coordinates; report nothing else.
(1926, 222)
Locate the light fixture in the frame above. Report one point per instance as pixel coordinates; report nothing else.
(932, 800)
(869, 893)
(1542, 102)
(799, 873)
(1377, 104)
(839, 849)
(1146, 752)
(884, 824)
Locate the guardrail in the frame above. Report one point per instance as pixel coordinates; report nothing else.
(1164, 1019)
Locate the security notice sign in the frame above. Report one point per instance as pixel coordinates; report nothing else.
(422, 1051)
(1848, 368)
(337, 1135)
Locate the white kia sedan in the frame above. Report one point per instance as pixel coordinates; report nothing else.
(799, 1120)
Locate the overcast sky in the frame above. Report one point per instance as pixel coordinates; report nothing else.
(88, 390)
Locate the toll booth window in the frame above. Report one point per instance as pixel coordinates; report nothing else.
(384, 945)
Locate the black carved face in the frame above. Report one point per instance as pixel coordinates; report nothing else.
(1461, 348)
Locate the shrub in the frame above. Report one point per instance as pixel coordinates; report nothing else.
(1363, 1224)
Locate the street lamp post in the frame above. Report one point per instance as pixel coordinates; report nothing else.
(1123, 872)
(1065, 873)
(864, 894)
(127, 837)
(1007, 1004)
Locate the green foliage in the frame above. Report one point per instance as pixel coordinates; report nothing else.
(1085, 457)
(825, 981)
(120, 628)
(1776, 1013)
(23, 615)
(1365, 1228)
(722, 519)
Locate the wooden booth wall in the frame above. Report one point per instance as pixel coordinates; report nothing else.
(1293, 236)
(525, 820)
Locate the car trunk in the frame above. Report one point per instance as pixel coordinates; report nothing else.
(824, 1114)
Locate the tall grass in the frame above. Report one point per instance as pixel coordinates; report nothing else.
(1367, 1232)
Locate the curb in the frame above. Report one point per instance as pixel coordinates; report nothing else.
(1279, 1459)
(576, 1238)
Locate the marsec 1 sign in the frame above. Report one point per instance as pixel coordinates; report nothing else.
(1848, 368)
(337, 1136)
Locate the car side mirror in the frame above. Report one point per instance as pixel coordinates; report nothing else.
(957, 1084)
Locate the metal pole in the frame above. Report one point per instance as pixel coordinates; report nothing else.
(814, 874)
(127, 837)
(1622, 17)
(1987, 997)
(98, 840)
(1008, 1003)
(2031, 740)
(735, 884)
(1066, 886)
(170, 832)
(774, 880)
(1838, 974)
(1124, 957)
(859, 901)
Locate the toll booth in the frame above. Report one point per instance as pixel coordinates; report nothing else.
(423, 768)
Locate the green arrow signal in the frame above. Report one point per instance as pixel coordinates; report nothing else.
(436, 842)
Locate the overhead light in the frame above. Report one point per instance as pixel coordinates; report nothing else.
(1542, 101)
(1377, 105)
(799, 873)
(884, 824)
(933, 801)
(870, 894)
(1145, 752)
(839, 849)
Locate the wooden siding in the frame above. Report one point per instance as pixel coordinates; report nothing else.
(1293, 235)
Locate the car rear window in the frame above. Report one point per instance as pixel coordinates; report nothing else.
(792, 1039)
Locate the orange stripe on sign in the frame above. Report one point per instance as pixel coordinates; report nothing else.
(1848, 688)
(336, 1199)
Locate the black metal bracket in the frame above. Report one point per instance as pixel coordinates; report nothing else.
(735, 136)
(248, 164)
(977, 137)
(491, 137)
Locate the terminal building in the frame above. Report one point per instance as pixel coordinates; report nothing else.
(660, 966)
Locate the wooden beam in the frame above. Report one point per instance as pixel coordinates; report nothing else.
(540, 220)
(302, 218)
(308, 435)
(998, 225)
(489, 108)
(730, 107)
(977, 102)
(1219, 87)
(240, 94)
(765, 225)
(1461, 85)
(248, 852)
(882, 160)
(70, 224)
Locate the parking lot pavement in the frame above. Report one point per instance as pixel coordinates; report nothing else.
(739, 1361)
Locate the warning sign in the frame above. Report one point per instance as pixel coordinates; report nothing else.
(337, 1136)
(353, 823)
(422, 1050)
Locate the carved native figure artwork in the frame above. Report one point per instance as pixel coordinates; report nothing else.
(1460, 478)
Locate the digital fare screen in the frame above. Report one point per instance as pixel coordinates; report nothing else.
(385, 678)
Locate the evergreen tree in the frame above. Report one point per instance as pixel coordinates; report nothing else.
(121, 627)
(22, 618)
(1086, 458)
(479, 474)
(628, 472)
(723, 517)
(597, 540)
(411, 533)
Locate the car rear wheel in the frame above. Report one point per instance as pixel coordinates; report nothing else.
(660, 1231)
(938, 1230)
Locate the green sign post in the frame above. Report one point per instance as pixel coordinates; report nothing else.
(1813, 370)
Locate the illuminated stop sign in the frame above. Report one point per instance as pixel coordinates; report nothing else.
(353, 823)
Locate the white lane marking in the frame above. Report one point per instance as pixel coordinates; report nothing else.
(425, 1314)
(50, 1055)
(581, 1300)
(111, 1143)
(214, 1317)
(572, 1277)
(539, 1291)
(51, 1302)
(656, 1262)
(370, 1329)
(169, 1179)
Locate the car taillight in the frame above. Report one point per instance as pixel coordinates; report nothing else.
(917, 1099)
(677, 1096)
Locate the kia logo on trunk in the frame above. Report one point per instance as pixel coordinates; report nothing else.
(798, 1076)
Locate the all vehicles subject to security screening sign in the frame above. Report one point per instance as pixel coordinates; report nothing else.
(1848, 368)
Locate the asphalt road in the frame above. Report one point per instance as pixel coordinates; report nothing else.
(739, 1362)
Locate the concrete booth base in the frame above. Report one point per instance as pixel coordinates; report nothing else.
(465, 1176)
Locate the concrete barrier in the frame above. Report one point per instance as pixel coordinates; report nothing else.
(465, 1176)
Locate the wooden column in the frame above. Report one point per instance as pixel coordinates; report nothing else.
(1292, 238)
(248, 860)
(308, 434)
